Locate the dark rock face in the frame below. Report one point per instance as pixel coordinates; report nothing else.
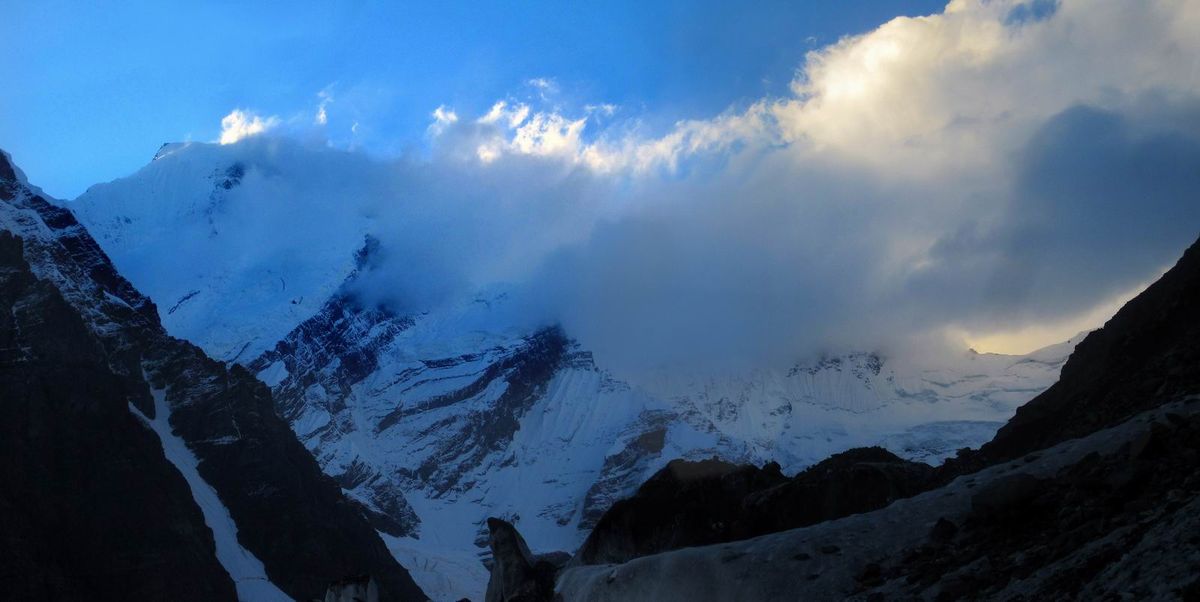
(74, 461)
(852, 482)
(98, 349)
(684, 504)
(359, 588)
(620, 467)
(516, 575)
(700, 503)
(1007, 496)
(1148, 353)
(1094, 521)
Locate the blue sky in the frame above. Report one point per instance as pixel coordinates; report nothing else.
(92, 89)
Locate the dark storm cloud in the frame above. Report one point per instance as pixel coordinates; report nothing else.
(1100, 201)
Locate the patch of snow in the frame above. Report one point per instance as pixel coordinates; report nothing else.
(443, 569)
(273, 374)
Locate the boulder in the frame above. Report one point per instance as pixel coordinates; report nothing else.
(516, 575)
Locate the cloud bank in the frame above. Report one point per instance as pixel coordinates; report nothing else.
(997, 167)
(1003, 166)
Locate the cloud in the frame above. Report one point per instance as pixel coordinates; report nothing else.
(997, 167)
(443, 118)
(1099, 201)
(605, 108)
(326, 97)
(1001, 167)
(544, 86)
(240, 124)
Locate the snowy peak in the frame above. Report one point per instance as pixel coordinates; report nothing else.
(8, 177)
(240, 242)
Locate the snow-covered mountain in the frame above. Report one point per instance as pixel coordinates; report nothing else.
(134, 466)
(437, 417)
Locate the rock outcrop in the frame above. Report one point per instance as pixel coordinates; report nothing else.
(357, 588)
(89, 508)
(701, 503)
(1149, 352)
(517, 576)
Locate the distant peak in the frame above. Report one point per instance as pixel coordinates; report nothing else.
(7, 173)
(11, 178)
(169, 147)
(365, 254)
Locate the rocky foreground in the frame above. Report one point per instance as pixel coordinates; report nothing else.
(1091, 492)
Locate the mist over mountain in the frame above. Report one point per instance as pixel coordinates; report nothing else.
(919, 182)
(388, 356)
(756, 263)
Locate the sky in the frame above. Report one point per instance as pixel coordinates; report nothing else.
(93, 89)
(675, 184)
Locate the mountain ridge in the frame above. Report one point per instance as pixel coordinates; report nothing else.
(287, 513)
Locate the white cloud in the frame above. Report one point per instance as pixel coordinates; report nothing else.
(443, 117)
(326, 97)
(959, 89)
(910, 134)
(513, 116)
(240, 124)
(920, 96)
(604, 108)
(549, 134)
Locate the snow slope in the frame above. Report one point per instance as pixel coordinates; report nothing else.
(196, 230)
(437, 418)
